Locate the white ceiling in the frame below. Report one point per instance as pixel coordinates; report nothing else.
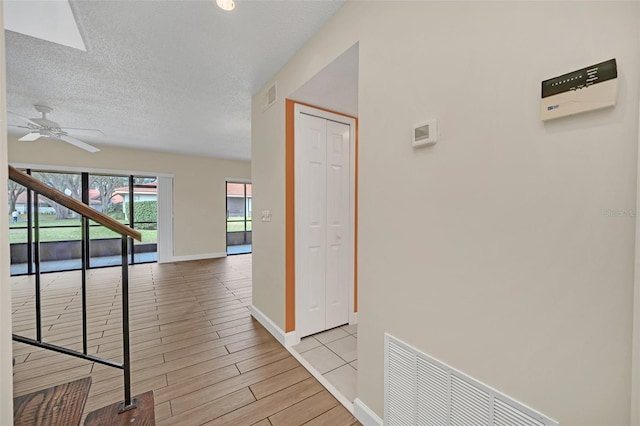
(173, 76)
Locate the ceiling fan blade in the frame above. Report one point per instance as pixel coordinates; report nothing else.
(22, 118)
(77, 130)
(78, 143)
(30, 137)
(19, 127)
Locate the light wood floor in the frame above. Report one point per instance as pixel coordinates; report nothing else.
(194, 344)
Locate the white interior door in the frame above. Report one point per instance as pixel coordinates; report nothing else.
(322, 149)
(311, 229)
(337, 192)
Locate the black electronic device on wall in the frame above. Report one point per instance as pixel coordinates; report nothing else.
(586, 89)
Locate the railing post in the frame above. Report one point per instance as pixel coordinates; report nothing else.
(128, 403)
(36, 252)
(132, 223)
(29, 229)
(84, 243)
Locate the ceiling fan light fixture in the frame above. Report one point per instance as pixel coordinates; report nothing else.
(45, 128)
(227, 5)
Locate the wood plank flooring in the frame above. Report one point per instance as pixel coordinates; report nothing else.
(193, 342)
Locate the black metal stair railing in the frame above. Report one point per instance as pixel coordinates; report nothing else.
(87, 213)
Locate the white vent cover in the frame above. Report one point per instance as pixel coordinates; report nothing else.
(420, 390)
(270, 97)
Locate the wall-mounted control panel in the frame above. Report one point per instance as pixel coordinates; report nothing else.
(425, 133)
(587, 89)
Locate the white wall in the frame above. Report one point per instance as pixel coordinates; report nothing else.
(6, 354)
(198, 189)
(507, 250)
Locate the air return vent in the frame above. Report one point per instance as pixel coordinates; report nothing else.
(420, 390)
(270, 96)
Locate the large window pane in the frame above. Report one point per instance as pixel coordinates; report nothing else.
(57, 222)
(238, 217)
(145, 203)
(249, 207)
(17, 213)
(17, 202)
(248, 200)
(105, 246)
(60, 229)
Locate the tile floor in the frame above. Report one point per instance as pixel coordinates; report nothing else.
(334, 354)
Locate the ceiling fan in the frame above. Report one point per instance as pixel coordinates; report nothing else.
(42, 127)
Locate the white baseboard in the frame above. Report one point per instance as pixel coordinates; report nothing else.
(285, 339)
(353, 318)
(198, 257)
(365, 415)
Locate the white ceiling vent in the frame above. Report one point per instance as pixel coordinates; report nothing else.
(270, 97)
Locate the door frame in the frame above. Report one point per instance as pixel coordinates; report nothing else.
(351, 122)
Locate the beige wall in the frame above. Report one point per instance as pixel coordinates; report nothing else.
(517, 263)
(198, 187)
(6, 355)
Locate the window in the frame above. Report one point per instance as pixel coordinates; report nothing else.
(238, 218)
(59, 230)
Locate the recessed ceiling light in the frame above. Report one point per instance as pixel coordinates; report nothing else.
(227, 5)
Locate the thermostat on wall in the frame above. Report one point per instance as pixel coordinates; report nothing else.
(589, 88)
(425, 133)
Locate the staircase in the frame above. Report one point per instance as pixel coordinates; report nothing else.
(63, 405)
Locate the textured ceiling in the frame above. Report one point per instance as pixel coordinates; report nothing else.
(173, 76)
